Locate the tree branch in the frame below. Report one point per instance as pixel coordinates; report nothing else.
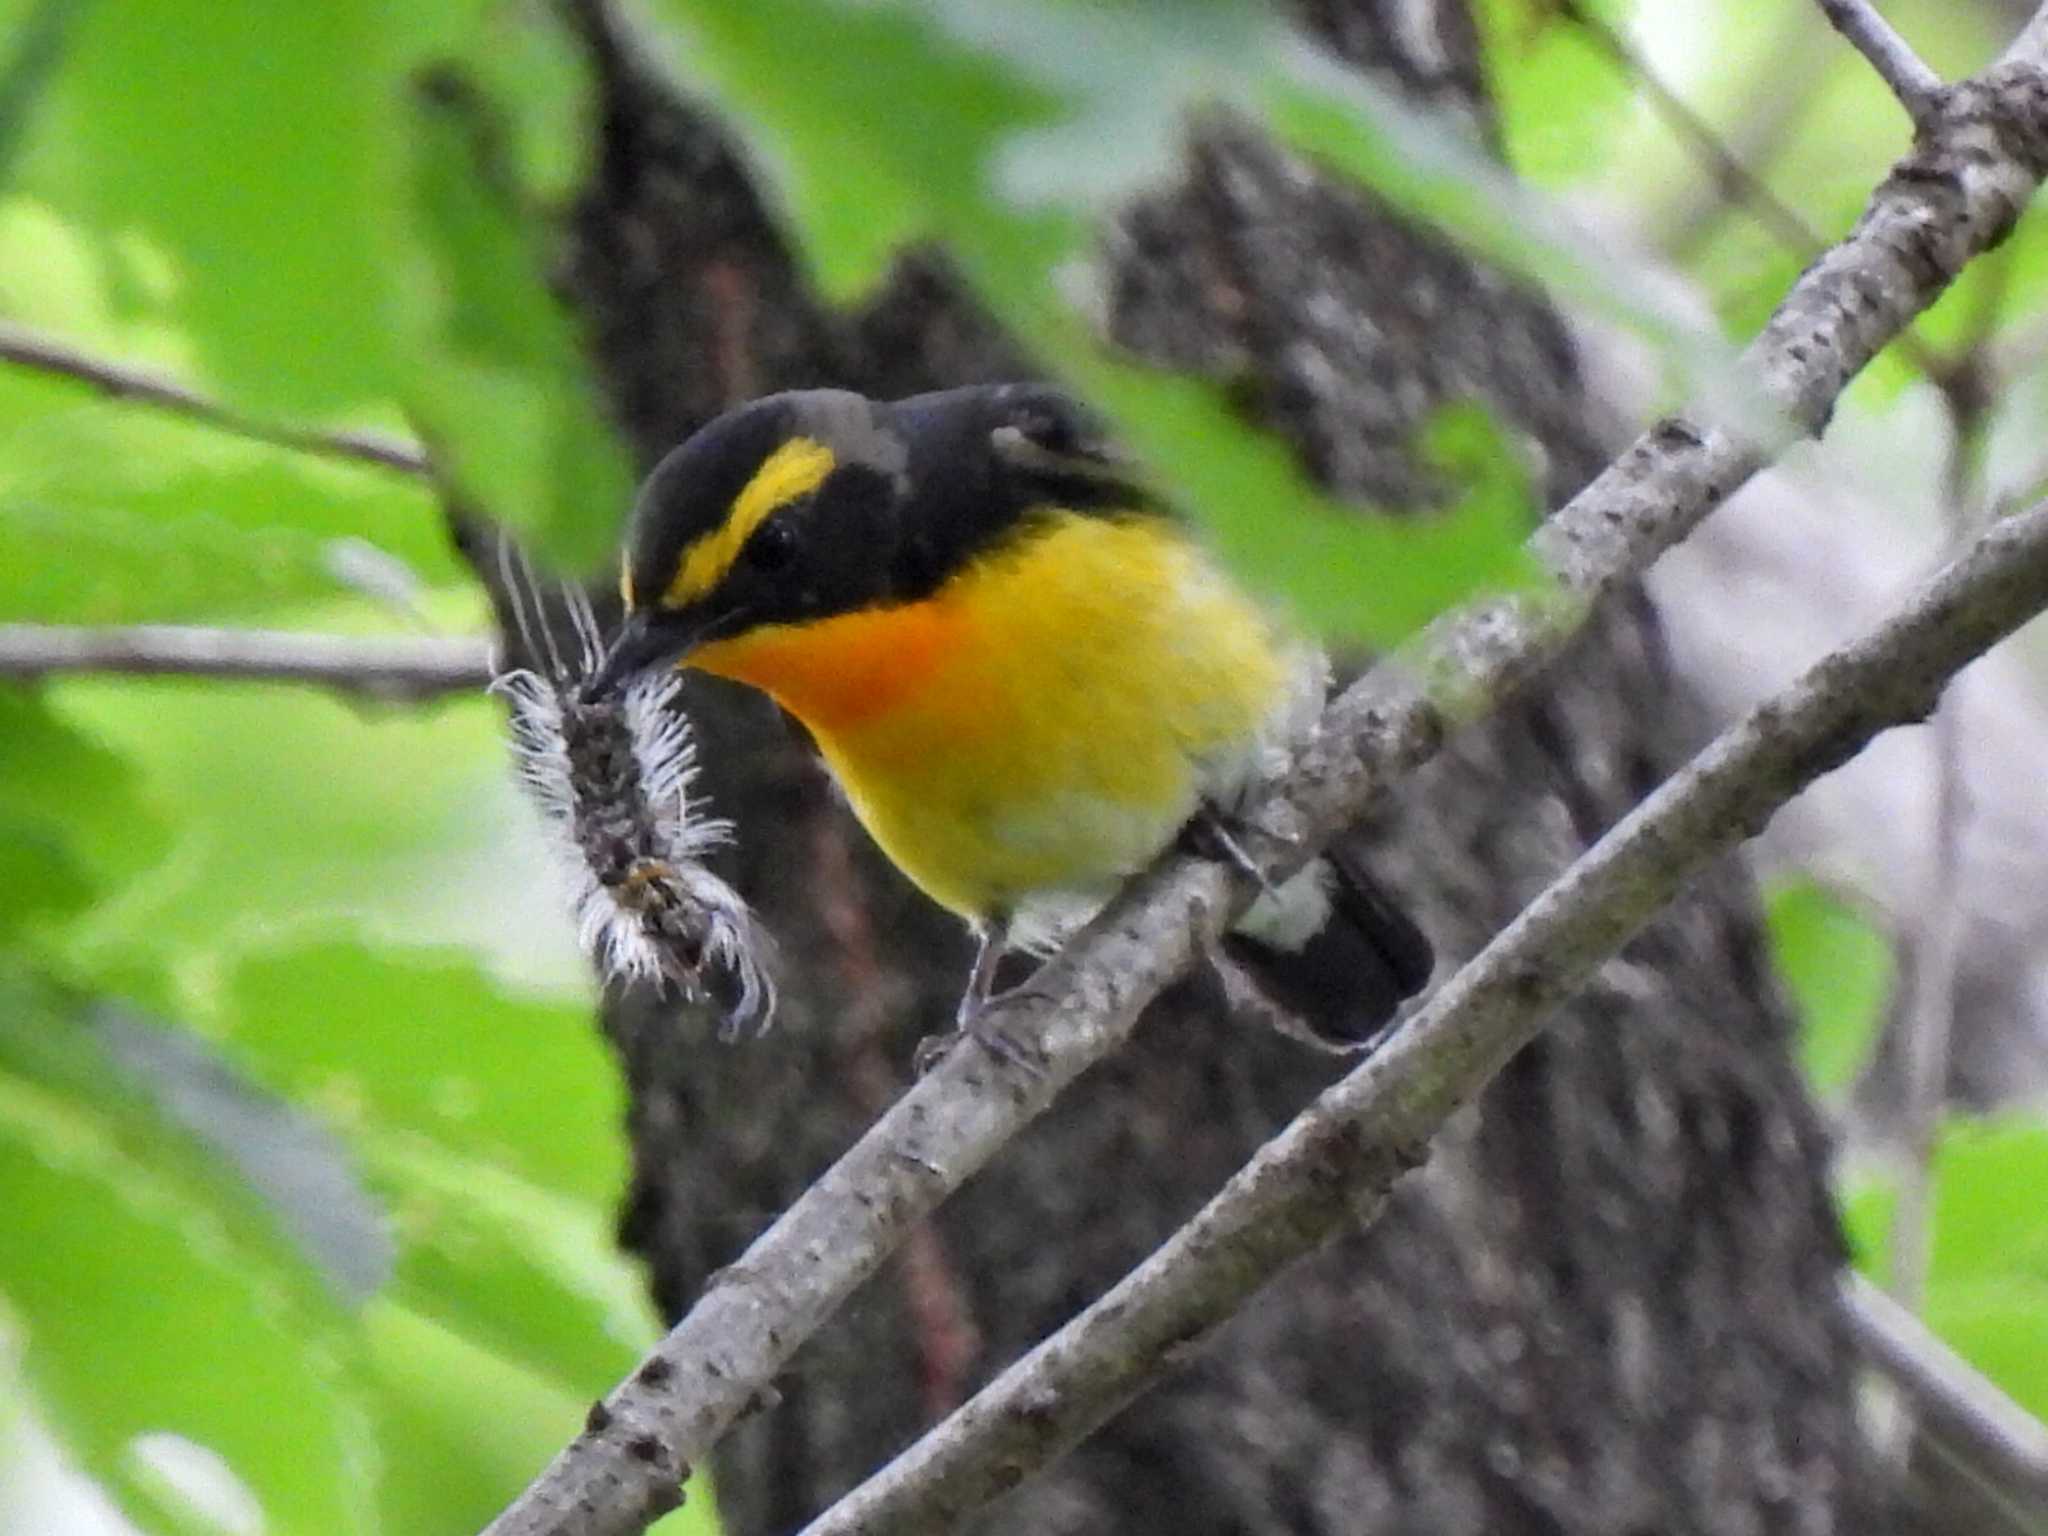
(26, 350)
(393, 670)
(1974, 168)
(1952, 1403)
(1732, 178)
(1985, 152)
(1927, 1026)
(1340, 1158)
(1916, 86)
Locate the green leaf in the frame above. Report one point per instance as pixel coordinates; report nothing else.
(1001, 132)
(41, 878)
(450, 1087)
(231, 158)
(1562, 101)
(473, 1429)
(500, 381)
(1989, 1219)
(113, 514)
(295, 814)
(153, 1297)
(117, 512)
(426, 1046)
(2000, 1326)
(313, 262)
(1987, 1280)
(467, 1429)
(1343, 573)
(33, 45)
(1838, 966)
(536, 75)
(53, 861)
(1438, 178)
(1869, 1198)
(489, 1124)
(535, 1278)
(866, 159)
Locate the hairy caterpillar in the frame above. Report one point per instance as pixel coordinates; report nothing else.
(613, 779)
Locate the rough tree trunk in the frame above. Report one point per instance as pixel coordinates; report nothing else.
(1606, 1303)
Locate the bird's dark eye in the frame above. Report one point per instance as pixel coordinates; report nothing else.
(772, 546)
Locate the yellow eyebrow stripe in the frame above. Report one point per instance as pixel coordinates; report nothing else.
(795, 469)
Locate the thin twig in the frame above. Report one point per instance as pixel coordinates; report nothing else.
(1928, 1020)
(1917, 87)
(1759, 124)
(24, 349)
(1337, 1163)
(1985, 155)
(389, 669)
(1734, 179)
(1954, 1403)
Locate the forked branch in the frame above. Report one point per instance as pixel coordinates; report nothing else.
(1340, 1158)
(1916, 86)
(1977, 162)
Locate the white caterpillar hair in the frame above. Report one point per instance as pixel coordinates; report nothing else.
(613, 779)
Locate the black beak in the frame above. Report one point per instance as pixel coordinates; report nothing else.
(642, 643)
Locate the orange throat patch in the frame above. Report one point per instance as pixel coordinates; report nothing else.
(841, 673)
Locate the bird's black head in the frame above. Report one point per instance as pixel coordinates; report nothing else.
(814, 503)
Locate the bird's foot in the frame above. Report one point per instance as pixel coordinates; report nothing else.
(976, 1021)
(1214, 833)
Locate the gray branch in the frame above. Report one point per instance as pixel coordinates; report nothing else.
(386, 669)
(24, 349)
(1953, 1405)
(1340, 1158)
(1927, 1031)
(1916, 86)
(1732, 178)
(1977, 163)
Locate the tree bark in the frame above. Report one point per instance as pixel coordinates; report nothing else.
(1607, 1304)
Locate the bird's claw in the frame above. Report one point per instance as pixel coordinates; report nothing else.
(1213, 833)
(974, 1022)
(932, 1050)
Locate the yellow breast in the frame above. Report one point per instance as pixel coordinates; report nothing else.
(1044, 722)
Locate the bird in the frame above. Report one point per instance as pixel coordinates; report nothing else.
(1026, 674)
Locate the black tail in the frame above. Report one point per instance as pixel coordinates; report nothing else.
(1333, 952)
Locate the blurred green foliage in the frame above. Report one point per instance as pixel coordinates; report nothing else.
(327, 209)
(1987, 1281)
(344, 215)
(155, 1294)
(1837, 965)
(335, 216)
(1001, 132)
(1562, 102)
(1987, 1277)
